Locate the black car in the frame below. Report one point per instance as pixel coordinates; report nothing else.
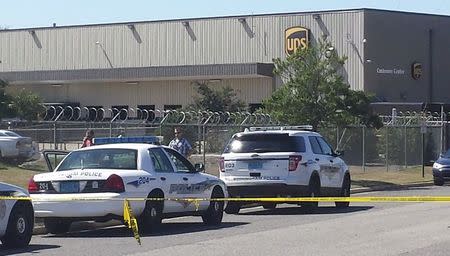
(441, 169)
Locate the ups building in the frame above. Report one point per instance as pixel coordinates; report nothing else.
(400, 57)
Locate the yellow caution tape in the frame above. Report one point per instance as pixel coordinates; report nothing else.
(130, 220)
(15, 198)
(196, 201)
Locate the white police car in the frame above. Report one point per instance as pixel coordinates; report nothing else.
(16, 217)
(282, 162)
(91, 183)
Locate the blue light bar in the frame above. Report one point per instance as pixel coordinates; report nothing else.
(140, 139)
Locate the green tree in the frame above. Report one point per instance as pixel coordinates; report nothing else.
(5, 101)
(314, 91)
(216, 100)
(27, 105)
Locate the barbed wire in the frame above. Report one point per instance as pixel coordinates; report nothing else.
(157, 116)
(413, 118)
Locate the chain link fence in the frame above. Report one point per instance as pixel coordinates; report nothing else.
(407, 139)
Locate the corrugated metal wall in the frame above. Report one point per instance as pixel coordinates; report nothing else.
(169, 43)
(158, 93)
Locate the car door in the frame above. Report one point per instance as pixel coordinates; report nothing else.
(193, 183)
(323, 160)
(53, 158)
(333, 171)
(165, 177)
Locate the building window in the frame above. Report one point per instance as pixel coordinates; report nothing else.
(122, 109)
(146, 111)
(252, 107)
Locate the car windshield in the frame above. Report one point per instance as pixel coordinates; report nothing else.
(9, 134)
(100, 159)
(447, 154)
(260, 143)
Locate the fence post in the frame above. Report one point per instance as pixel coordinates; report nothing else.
(204, 145)
(55, 144)
(442, 129)
(406, 155)
(337, 136)
(199, 139)
(364, 148)
(387, 149)
(423, 152)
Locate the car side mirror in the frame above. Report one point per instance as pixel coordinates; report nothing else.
(199, 167)
(441, 155)
(339, 153)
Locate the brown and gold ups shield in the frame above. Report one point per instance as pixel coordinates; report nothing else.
(416, 70)
(296, 38)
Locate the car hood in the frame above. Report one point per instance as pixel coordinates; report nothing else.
(443, 161)
(12, 189)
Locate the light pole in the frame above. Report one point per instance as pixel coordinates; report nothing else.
(104, 53)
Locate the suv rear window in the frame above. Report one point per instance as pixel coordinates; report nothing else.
(261, 143)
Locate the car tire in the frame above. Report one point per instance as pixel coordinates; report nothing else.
(57, 225)
(438, 181)
(20, 226)
(313, 191)
(233, 208)
(345, 192)
(151, 218)
(214, 214)
(269, 206)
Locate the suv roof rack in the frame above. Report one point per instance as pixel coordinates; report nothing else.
(281, 128)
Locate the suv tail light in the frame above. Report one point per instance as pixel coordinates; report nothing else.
(221, 164)
(293, 162)
(114, 183)
(32, 186)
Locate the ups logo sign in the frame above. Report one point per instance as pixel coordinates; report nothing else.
(296, 38)
(416, 70)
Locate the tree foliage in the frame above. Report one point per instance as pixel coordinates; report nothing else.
(5, 101)
(219, 99)
(27, 105)
(314, 91)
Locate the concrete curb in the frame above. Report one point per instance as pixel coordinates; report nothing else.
(39, 228)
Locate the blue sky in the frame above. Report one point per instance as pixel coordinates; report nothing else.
(42, 13)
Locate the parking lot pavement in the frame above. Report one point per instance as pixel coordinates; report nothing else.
(39, 228)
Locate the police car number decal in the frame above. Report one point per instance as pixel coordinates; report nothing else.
(141, 181)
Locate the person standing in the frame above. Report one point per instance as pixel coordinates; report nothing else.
(181, 144)
(88, 139)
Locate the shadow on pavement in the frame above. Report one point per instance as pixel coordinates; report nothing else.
(32, 248)
(372, 183)
(299, 210)
(165, 229)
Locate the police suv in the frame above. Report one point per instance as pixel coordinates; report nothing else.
(16, 216)
(91, 184)
(282, 162)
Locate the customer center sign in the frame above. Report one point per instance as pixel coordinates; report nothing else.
(391, 71)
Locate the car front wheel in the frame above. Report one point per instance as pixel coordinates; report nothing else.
(313, 191)
(438, 181)
(345, 192)
(20, 226)
(151, 219)
(214, 213)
